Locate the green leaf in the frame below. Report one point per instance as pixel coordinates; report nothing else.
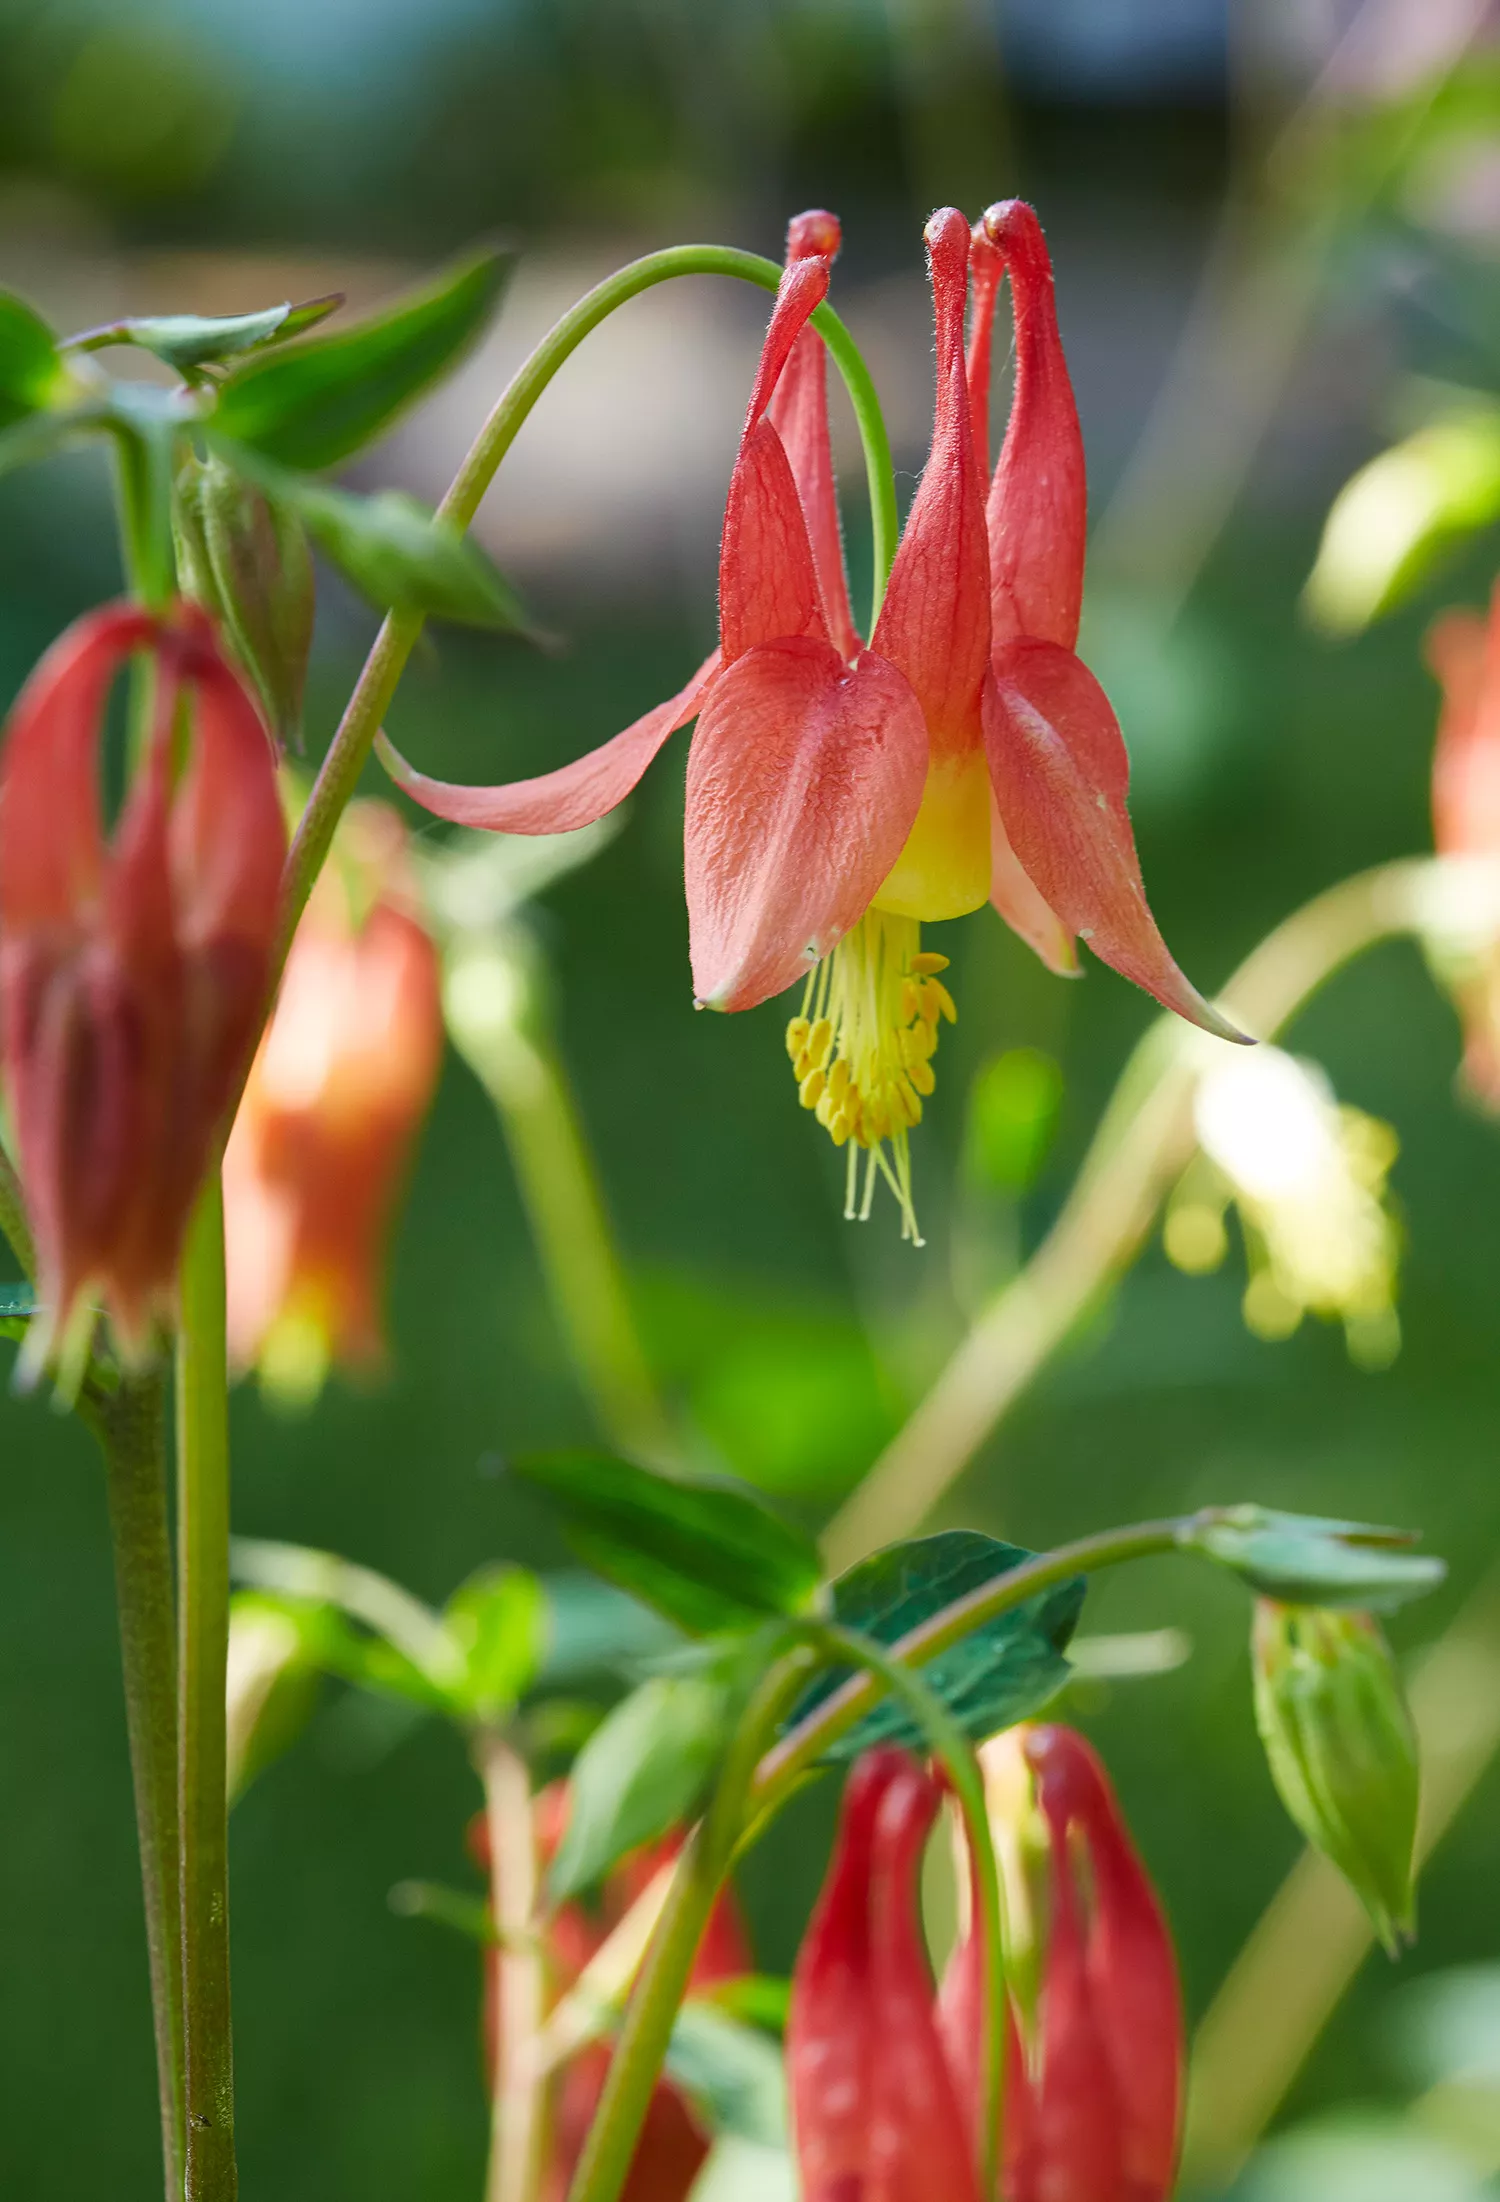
(18, 1303)
(31, 373)
(706, 1551)
(755, 1999)
(311, 404)
(1307, 1559)
(189, 340)
(1002, 1672)
(744, 2171)
(643, 1771)
(397, 552)
(465, 1914)
(498, 1620)
(733, 2074)
(593, 1628)
(277, 1650)
(410, 1652)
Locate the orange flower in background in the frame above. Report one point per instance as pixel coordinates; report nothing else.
(673, 2147)
(133, 967)
(837, 795)
(343, 1078)
(1463, 650)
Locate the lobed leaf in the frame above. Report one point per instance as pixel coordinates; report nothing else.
(1311, 1560)
(708, 1552)
(1001, 1672)
(190, 340)
(313, 403)
(643, 1771)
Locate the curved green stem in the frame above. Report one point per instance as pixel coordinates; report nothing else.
(203, 1612)
(605, 2163)
(1143, 1143)
(350, 749)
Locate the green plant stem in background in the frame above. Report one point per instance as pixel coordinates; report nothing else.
(203, 1615)
(668, 1964)
(14, 1222)
(1314, 1935)
(130, 1425)
(350, 750)
(518, 2089)
(1143, 1143)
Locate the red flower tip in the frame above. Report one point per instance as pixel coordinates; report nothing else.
(815, 235)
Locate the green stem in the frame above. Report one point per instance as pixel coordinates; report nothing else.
(350, 749)
(952, 1746)
(518, 2122)
(203, 1560)
(1143, 1142)
(130, 1424)
(14, 1222)
(663, 1979)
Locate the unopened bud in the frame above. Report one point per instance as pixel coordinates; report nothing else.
(245, 557)
(1338, 1735)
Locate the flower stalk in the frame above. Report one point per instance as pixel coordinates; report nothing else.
(518, 2100)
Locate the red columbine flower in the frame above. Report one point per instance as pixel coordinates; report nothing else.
(837, 796)
(1463, 650)
(673, 2146)
(886, 2086)
(342, 1080)
(133, 969)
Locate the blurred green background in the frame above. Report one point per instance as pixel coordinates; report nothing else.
(1331, 184)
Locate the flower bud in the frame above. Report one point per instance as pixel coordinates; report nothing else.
(1463, 650)
(1342, 1751)
(344, 1076)
(133, 969)
(245, 556)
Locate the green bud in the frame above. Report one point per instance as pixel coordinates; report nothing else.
(245, 556)
(1338, 1734)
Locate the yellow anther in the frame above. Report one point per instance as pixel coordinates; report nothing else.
(922, 1077)
(945, 1001)
(911, 1000)
(927, 963)
(796, 1036)
(810, 1092)
(838, 1078)
(825, 1108)
(820, 1042)
(905, 1098)
(801, 1065)
(840, 1128)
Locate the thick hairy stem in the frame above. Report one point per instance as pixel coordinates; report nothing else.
(1143, 1143)
(518, 2098)
(1315, 1934)
(130, 1424)
(203, 1612)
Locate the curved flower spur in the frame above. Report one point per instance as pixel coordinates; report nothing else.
(839, 795)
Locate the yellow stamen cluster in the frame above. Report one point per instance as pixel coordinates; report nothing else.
(862, 1051)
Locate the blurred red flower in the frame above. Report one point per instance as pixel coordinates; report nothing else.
(1463, 649)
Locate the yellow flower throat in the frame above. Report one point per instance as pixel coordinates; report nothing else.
(862, 1052)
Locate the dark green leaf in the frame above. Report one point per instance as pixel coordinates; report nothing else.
(311, 404)
(1305, 1559)
(708, 1552)
(31, 374)
(396, 552)
(189, 340)
(643, 1770)
(1002, 1672)
(18, 1304)
(498, 1620)
(593, 1629)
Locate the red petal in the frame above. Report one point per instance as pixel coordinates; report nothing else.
(1058, 764)
(1022, 907)
(803, 781)
(1463, 649)
(1038, 502)
(574, 795)
(768, 578)
(829, 2025)
(1133, 1986)
(228, 827)
(51, 840)
(935, 625)
(986, 270)
(799, 414)
(960, 2011)
(804, 286)
(919, 2141)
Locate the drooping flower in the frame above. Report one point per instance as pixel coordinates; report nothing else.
(133, 967)
(1308, 1176)
(672, 2147)
(838, 796)
(1463, 650)
(343, 1077)
(885, 2077)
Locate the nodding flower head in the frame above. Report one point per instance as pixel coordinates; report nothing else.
(133, 964)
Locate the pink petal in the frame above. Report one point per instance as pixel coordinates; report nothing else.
(1059, 768)
(799, 414)
(574, 795)
(804, 778)
(768, 579)
(1022, 907)
(1038, 502)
